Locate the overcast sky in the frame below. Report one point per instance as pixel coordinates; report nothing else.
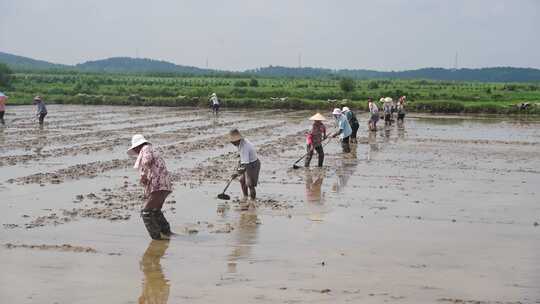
(241, 34)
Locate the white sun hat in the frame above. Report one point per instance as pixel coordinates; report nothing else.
(388, 99)
(214, 94)
(136, 141)
(317, 116)
(336, 111)
(345, 109)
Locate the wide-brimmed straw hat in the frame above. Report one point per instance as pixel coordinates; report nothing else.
(234, 135)
(136, 141)
(345, 109)
(37, 98)
(336, 111)
(388, 99)
(317, 116)
(214, 94)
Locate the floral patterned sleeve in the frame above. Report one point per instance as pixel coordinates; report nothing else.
(147, 158)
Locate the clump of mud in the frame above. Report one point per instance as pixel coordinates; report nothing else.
(267, 203)
(200, 226)
(64, 247)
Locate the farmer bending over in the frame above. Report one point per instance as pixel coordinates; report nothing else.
(353, 122)
(3, 99)
(41, 110)
(373, 115)
(249, 166)
(314, 139)
(344, 131)
(157, 186)
(215, 103)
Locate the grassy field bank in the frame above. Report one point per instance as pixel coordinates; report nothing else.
(321, 94)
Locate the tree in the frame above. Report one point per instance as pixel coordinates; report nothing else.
(5, 75)
(253, 82)
(346, 84)
(373, 85)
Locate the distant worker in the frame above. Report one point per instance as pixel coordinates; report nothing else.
(3, 99)
(41, 110)
(248, 168)
(373, 115)
(156, 181)
(215, 103)
(315, 138)
(344, 130)
(387, 108)
(401, 109)
(353, 122)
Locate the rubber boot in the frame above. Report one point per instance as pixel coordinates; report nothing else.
(321, 159)
(151, 223)
(163, 224)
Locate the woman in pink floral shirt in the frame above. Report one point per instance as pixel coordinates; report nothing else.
(157, 186)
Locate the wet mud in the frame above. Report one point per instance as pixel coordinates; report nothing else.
(436, 211)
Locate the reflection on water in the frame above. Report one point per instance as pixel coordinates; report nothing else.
(2, 135)
(41, 141)
(346, 168)
(245, 236)
(314, 180)
(401, 130)
(156, 287)
(387, 133)
(373, 145)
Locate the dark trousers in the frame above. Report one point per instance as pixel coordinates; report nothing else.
(215, 108)
(309, 155)
(153, 218)
(355, 127)
(156, 223)
(42, 117)
(345, 145)
(2, 117)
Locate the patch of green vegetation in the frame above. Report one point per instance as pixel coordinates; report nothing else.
(318, 94)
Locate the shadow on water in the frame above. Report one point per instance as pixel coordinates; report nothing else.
(156, 287)
(245, 236)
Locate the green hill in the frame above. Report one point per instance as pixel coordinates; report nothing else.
(139, 65)
(151, 66)
(20, 63)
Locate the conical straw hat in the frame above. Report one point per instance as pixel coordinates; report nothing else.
(317, 116)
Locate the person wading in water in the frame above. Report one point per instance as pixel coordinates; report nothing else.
(314, 139)
(353, 121)
(157, 186)
(344, 131)
(248, 168)
(373, 115)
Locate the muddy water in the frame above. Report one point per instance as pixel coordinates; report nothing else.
(440, 210)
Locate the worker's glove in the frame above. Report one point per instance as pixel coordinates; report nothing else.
(234, 175)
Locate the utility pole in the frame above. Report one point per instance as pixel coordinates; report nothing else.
(456, 62)
(300, 60)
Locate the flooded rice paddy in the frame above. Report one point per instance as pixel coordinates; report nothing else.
(442, 210)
